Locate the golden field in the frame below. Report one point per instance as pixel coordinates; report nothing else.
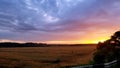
(45, 57)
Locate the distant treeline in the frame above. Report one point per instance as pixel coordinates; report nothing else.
(12, 44)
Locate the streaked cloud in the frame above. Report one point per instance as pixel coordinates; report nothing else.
(58, 20)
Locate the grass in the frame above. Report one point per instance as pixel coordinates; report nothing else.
(45, 57)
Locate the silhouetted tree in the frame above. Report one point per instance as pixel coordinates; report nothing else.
(108, 50)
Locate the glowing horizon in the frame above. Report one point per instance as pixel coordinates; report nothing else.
(58, 21)
(61, 42)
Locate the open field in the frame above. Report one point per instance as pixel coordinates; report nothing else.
(45, 57)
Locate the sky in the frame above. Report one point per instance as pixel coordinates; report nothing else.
(58, 21)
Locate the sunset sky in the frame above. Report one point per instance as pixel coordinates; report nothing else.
(58, 21)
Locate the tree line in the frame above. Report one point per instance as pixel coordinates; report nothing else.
(12, 44)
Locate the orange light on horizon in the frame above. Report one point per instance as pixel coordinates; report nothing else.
(76, 42)
(86, 40)
(93, 41)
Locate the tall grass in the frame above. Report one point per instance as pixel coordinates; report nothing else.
(45, 57)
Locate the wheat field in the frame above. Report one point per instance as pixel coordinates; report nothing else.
(45, 57)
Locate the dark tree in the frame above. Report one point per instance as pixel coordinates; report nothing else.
(108, 50)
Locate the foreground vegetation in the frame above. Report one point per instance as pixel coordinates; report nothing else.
(108, 50)
(45, 57)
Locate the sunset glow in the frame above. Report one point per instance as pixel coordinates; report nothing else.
(58, 21)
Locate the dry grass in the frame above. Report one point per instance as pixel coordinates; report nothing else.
(45, 57)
